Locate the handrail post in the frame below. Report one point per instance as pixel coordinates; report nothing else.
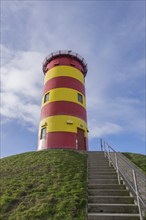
(109, 156)
(117, 168)
(104, 149)
(137, 194)
(101, 144)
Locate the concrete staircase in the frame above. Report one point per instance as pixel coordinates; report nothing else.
(107, 200)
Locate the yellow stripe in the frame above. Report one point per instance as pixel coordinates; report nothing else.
(64, 71)
(64, 123)
(64, 94)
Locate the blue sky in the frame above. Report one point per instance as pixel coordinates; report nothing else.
(110, 35)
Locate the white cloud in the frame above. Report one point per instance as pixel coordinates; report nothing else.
(115, 115)
(101, 130)
(22, 81)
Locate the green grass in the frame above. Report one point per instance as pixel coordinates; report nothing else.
(45, 185)
(138, 159)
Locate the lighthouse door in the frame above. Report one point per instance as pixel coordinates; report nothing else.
(81, 139)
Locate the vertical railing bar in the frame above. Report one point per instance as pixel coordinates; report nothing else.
(109, 156)
(137, 195)
(117, 167)
(104, 149)
(101, 144)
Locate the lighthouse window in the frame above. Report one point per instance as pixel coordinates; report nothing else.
(80, 98)
(46, 98)
(43, 133)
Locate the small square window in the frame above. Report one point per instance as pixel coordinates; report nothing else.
(46, 97)
(56, 63)
(72, 64)
(43, 133)
(80, 98)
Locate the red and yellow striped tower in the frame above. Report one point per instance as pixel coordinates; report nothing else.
(63, 121)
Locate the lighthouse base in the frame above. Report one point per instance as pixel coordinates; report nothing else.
(67, 140)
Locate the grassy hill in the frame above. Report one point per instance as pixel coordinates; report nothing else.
(46, 185)
(138, 159)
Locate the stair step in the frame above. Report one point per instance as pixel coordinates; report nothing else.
(103, 172)
(102, 176)
(111, 199)
(97, 160)
(98, 175)
(98, 167)
(103, 181)
(95, 171)
(113, 216)
(106, 186)
(101, 159)
(113, 208)
(95, 192)
(98, 163)
(101, 169)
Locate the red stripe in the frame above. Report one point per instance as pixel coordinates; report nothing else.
(65, 61)
(62, 140)
(64, 82)
(63, 108)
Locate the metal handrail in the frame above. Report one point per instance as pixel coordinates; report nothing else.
(135, 179)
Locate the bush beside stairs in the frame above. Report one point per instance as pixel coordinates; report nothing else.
(107, 199)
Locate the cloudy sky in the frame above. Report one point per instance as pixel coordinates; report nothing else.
(110, 35)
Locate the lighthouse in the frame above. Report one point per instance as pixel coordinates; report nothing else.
(63, 121)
